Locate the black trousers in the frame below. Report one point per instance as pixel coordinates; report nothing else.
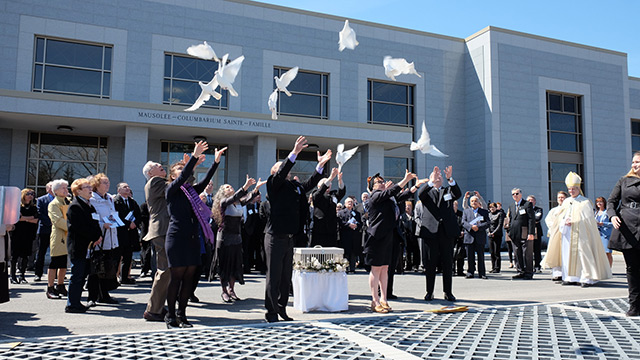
(632, 260)
(495, 243)
(537, 252)
(127, 257)
(279, 256)
(43, 246)
(474, 250)
(524, 256)
(396, 253)
(145, 256)
(413, 253)
(438, 251)
(510, 250)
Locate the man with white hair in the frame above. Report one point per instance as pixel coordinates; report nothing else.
(154, 192)
(286, 199)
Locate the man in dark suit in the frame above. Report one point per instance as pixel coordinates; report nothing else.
(154, 192)
(522, 229)
(253, 237)
(128, 237)
(475, 221)
(537, 241)
(325, 221)
(411, 239)
(350, 224)
(439, 228)
(44, 230)
(287, 199)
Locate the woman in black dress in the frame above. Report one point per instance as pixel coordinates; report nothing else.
(624, 212)
(227, 212)
(23, 235)
(383, 214)
(182, 241)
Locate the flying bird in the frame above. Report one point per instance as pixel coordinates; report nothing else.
(226, 73)
(273, 104)
(208, 90)
(285, 79)
(203, 51)
(394, 67)
(424, 144)
(342, 156)
(347, 37)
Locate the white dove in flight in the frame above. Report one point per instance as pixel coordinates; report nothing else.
(285, 79)
(226, 73)
(347, 37)
(208, 90)
(394, 67)
(342, 156)
(273, 104)
(203, 51)
(424, 144)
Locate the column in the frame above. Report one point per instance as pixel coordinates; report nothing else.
(264, 155)
(136, 141)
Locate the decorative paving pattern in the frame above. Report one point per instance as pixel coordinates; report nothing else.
(522, 332)
(590, 329)
(295, 341)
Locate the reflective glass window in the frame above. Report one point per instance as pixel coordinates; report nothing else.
(70, 67)
(390, 103)
(309, 94)
(181, 77)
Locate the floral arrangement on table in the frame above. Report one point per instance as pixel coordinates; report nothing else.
(329, 265)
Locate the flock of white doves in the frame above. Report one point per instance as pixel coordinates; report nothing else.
(226, 75)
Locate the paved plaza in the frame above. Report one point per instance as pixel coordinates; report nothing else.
(507, 319)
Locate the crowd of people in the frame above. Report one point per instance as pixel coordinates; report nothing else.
(186, 231)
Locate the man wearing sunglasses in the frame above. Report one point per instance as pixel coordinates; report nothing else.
(522, 231)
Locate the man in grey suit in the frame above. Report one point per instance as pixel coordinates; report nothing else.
(522, 229)
(154, 192)
(475, 221)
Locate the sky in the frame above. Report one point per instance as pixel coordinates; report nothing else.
(603, 24)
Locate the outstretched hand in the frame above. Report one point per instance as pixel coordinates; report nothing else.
(219, 154)
(448, 172)
(201, 147)
(323, 159)
(260, 183)
(248, 183)
(301, 143)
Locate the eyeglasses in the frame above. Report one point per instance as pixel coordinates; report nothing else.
(378, 181)
(85, 187)
(514, 194)
(30, 193)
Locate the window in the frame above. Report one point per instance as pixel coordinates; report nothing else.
(66, 67)
(181, 76)
(557, 173)
(68, 157)
(564, 140)
(635, 136)
(309, 94)
(172, 152)
(564, 122)
(390, 103)
(395, 168)
(305, 165)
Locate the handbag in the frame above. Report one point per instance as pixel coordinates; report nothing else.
(102, 263)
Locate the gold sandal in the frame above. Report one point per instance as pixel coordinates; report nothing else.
(385, 305)
(378, 308)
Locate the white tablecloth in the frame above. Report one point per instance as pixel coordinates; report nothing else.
(320, 291)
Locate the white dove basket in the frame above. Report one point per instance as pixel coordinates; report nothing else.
(322, 254)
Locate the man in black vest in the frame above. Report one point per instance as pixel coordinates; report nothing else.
(286, 198)
(439, 228)
(522, 229)
(128, 237)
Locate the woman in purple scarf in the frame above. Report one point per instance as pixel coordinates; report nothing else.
(188, 215)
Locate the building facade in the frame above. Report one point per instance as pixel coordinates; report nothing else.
(98, 86)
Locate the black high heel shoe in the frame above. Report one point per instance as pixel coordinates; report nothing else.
(232, 295)
(226, 298)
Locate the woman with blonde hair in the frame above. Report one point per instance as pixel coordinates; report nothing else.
(23, 235)
(102, 201)
(624, 212)
(227, 212)
(58, 215)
